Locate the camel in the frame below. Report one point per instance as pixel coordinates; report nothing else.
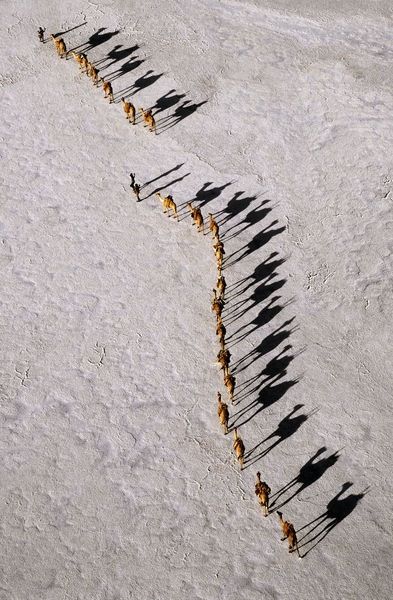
(168, 204)
(262, 490)
(149, 119)
(238, 447)
(213, 226)
(93, 73)
(60, 46)
(108, 91)
(196, 216)
(62, 49)
(219, 252)
(289, 532)
(221, 331)
(230, 382)
(84, 63)
(217, 304)
(219, 249)
(79, 58)
(55, 42)
(223, 413)
(221, 285)
(223, 358)
(129, 110)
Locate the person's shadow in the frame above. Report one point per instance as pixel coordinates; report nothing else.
(176, 168)
(336, 511)
(309, 473)
(60, 33)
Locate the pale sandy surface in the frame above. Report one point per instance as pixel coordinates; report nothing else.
(116, 481)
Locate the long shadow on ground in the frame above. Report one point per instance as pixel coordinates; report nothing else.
(182, 112)
(336, 511)
(268, 396)
(285, 429)
(146, 80)
(61, 33)
(309, 474)
(96, 39)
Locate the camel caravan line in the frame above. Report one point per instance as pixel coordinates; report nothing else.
(85, 66)
(262, 490)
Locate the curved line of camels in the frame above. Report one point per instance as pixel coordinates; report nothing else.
(262, 490)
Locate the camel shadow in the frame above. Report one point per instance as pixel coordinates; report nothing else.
(146, 80)
(336, 511)
(166, 101)
(235, 206)
(252, 218)
(182, 112)
(275, 370)
(265, 315)
(309, 474)
(261, 293)
(262, 272)
(207, 193)
(203, 196)
(287, 427)
(115, 55)
(125, 68)
(269, 343)
(96, 39)
(268, 396)
(258, 241)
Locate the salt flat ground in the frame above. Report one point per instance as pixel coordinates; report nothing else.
(116, 481)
